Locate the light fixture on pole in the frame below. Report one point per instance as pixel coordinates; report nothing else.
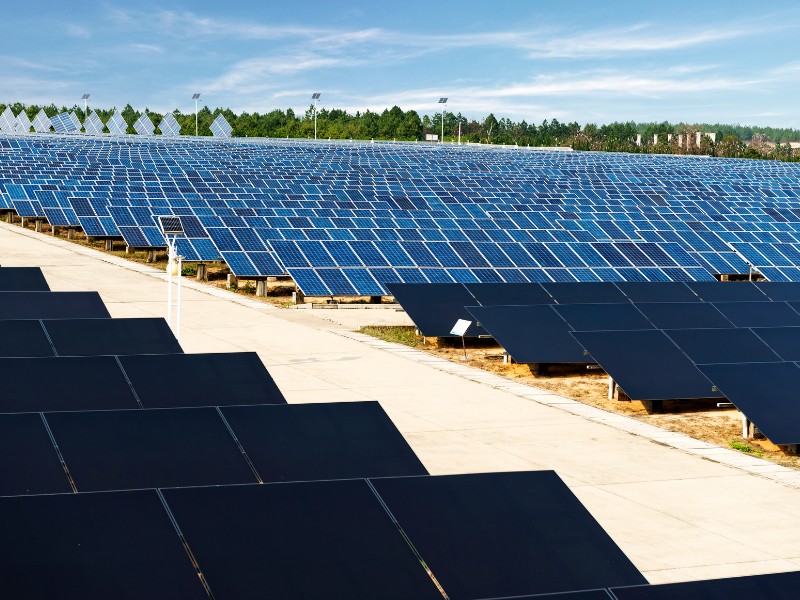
(85, 99)
(443, 101)
(196, 97)
(315, 97)
(172, 226)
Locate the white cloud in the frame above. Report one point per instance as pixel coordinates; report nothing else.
(78, 31)
(146, 48)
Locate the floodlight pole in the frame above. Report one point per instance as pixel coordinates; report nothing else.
(444, 106)
(196, 97)
(315, 118)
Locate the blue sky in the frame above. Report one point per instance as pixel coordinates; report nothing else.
(587, 61)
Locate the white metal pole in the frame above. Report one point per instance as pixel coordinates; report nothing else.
(195, 119)
(170, 253)
(315, 118)
(443, 107)
(178, 324)
(459, 133)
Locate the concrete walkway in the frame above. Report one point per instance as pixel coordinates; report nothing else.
(676, 511)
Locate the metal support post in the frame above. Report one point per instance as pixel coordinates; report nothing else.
(261, 288)
(611, 386)
(71, 233)
(38, 226)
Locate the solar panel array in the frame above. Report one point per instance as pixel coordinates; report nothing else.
(144, 126)
(221, 128)
(63, 124)
(7, 120)
(42, 122)
(169, 126)
(116, 124)
(93, 124)
(345, 218)
(22, 123)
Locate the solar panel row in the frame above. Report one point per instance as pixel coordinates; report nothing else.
(380, 213)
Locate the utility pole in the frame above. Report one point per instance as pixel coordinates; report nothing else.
(443, 102)
(196, 97)
(315, 97)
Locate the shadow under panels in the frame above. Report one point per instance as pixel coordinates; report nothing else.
(135, 449)
(52, 305)
(435, 307)
(22, 279)
(483, 535)
(156, 381)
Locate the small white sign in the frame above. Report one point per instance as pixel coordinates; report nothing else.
(461, 326)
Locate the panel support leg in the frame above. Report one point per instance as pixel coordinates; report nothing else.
(71, 233)
(539, 369)
(202, 273)
(261, 288)
(109, 245)
(23, 222)
(53, 230)
(375, 299)
(612, 386)
(653, 406)
(9, 217)
(233, 281)
(129, 249)
(37, 226)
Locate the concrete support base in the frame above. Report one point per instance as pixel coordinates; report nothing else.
(233, 281)
(261, 288)
(375, 299)
(151, 256)
(653, 406)
(71, 233)
(53, 230)
(109, 245)
(129, 250)
(298, 297)
(508, 359)
(202, 272)
(612, 387)
(9, 217)
(539, 369)
(37, 225)
(749, 430)
(23, 222)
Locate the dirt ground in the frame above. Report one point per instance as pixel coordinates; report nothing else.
(700, 419)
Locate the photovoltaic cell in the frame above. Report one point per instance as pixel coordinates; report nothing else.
(490, 535)
(305, 442)
(25, 338)
(683, 315)
(96, 337)
(22, 279)
(435, 308)
(657, 291)
(759, 314)
(135, 449)
(491, 294)
(94, 546)
(780, 291)
(785, 341)
(52, 305)
(738, 291)
(583, 293)
(722, 345)
(531, 334)
(349, 548)
(595, 317)
(647, 365)
(30, 462)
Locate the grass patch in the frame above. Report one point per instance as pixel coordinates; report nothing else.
(398, 334)
(742, 447)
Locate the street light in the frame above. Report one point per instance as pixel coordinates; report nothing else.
(196, 97)
(315, 97)
(443, 101)
(85, 99)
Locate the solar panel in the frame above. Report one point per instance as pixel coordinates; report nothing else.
(657, 291)
(23, 123)
(305, 442)
(63, 123)
(742, 291)
(24, 339)
(759, 314)
(134, 449)
(583, 293)
(722, 345)
(434, 308)
(22, 279)
(594, 317)
(785, 341)
(41, 123)
(144, 126)
(531, 334)
(647, 365)
(52, 305)
(94, 546)
(76, 124)
(246, 535)
(490, 294)
(220, 127)
(30, 462)
(94, 383)
(489, 535)
(7, 120)
(239, 378)
(683, 315)
(169, 126)
(116, 124)
(96, 337)
(93, 124)
(780, 291)
(773, 586)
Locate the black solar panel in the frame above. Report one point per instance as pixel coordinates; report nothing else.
(765, 392)
(684, 315)
(585, 292)
(720, 291)
(304, 442)
(646, 364)
(63, 384)
(22, 279)
(657, 291)
(504, 534)
(595, 317)
(30, 463)
(583, 595)
(531, 334)
(321, 539)
(205, 379)
(774, 586)
(119, 545)
(785, 341)
(52, 305)
(96, 337)
(435, 307)
(132, 449)
(24, 338)
(492, 294)
(722, 345)
(759, 314)
(780, 291)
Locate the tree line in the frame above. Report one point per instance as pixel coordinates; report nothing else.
(731, 140)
